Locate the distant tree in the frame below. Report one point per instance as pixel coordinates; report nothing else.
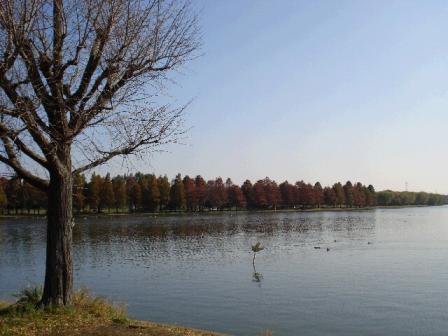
(229, 183)
(259, 195)
(339, 192)
(348, 192)
(190, 193)
(370, 195)
(33, 197)
(153, 193)
(14, 194)
(301, 193)
(164, 190)
(177, 194)
(330, 196)
(384, 198)
(236, 197)
(318, 194)
(288, 194)
(220, 193)
(201, 191)
(27, 196)
(216, 193)
(134, 193)
(107, 196)
(359, 195)
(94, 192)
(120, 194)
(305, 193)
(79, 198)
(143, 181)
(422, 198)
(248, 193)
(272, 192)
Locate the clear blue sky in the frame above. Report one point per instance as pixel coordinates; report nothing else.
(316, 90)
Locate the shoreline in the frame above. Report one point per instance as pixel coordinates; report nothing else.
(222, 212)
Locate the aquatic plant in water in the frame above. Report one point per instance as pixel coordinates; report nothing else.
(255, 249)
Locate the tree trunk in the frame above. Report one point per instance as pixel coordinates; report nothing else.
(59, 269)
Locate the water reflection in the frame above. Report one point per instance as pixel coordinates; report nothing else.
(257, 277)
(121, 239)
(186, 268)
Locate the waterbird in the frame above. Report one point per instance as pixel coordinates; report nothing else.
(328, 249)
(369, 243)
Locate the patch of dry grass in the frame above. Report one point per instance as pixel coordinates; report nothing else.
(23, 318)
(89, 316)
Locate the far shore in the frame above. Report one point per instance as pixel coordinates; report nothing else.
(216, 212)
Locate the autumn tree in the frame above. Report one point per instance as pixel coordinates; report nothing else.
(33, 198)
(272, 192)
(330, 198)
(94, 192)
(79, 194)
(260, 197)
(142, 180)
(164, 190)
(288, 194)
(370, 195)
(153, 193)
(301, 193)
(339, 192)
(190, 193)
(177, 194)
(14, 194)
(201, 191)
(359, 195)
(318, 194)
(134, 193)
(216, 193)
(236, 197)
(348, 193)
(248, 192)
(120, 194)
(107, 196)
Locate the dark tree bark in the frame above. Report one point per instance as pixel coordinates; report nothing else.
(59, 267)
(58, 284)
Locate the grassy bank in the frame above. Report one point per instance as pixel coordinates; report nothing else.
(87, 316)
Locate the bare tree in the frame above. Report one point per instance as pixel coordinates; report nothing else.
(78, 80)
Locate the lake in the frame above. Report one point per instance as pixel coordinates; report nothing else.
(386, 272)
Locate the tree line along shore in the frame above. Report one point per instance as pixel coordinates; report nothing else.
(150, 193)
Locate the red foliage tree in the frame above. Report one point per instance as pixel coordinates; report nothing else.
(330, 196)
(236, 197)
(248, 190)
(190, 193)
(318, 194)
(201, 191)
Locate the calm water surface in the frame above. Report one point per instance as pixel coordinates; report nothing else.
(196, 270)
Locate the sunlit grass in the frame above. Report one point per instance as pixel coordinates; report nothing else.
(87, 316)
(24, 318)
